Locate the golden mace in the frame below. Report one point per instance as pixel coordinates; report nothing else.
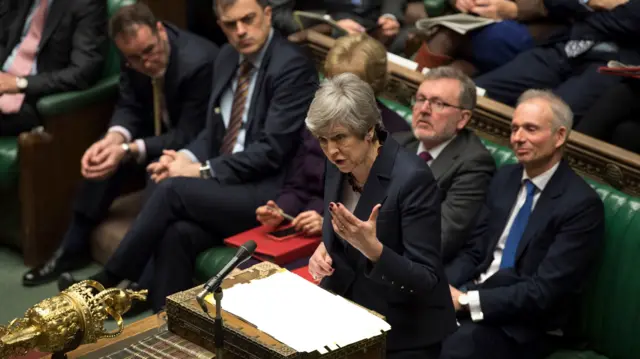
(74, 317)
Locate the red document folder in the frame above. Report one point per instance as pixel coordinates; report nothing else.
(619, 69)
(279, 252)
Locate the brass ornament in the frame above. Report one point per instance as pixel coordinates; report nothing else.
(74, 317)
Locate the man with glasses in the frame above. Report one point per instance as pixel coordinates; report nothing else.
(211, 188)
(164, 92)
(460, 163)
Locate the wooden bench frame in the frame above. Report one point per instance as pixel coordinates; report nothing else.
(588, 156)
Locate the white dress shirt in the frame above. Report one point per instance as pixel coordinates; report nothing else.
(434, 152)
(540, 183)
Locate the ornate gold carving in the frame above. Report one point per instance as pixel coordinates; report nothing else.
(75, 316)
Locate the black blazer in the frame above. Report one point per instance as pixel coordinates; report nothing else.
(286, 83)
(553, 259)
(620, 25)
(368, 12)
(187, 86)
(407, 285)
(463, 169)
(72, 46)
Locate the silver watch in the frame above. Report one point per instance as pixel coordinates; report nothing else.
(21, 83)
(463, 299)
(205, 171)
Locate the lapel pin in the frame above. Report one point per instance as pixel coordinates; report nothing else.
(217, 110)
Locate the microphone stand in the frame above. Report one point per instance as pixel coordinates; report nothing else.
(218, 331)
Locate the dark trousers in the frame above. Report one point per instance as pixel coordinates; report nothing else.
(615, 117)
(22, 121)
(575, 80)
(479, 341)
(190, 212)
(92, 203)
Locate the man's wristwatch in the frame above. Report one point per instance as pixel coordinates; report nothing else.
(463, 300)
(205, 171)
(127, 150)
(21, 83)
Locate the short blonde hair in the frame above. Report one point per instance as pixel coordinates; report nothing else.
(359, 54)
(344, 100)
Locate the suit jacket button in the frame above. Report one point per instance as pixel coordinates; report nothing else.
(402, 287)
(383, 278)
(411, 291)
(392, 282)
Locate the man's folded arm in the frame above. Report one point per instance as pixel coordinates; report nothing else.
(562, 273)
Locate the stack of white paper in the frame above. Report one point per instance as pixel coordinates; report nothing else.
(460, 23)
(300, 314)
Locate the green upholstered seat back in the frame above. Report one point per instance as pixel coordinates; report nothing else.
(112, 61)
(610, 318)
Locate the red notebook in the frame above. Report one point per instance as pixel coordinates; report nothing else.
(280, 252)
(619, 69)
(304, 273)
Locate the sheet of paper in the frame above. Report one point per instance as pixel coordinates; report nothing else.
(301, 314)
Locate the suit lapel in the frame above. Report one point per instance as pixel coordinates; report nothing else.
(448, 155)
(543, 210)
(17, 18)
(333, 184)
(172, 75)
(226, 71)
(506, 202)
(257, 93)
(55, 13)
(375, 189)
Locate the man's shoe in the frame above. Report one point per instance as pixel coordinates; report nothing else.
(51, 270)
(66, 280)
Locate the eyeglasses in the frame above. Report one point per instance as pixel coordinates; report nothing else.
(148, 51)
(434, 104)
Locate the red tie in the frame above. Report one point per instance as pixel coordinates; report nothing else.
(237, 109)
(426, 156)
(25, 56)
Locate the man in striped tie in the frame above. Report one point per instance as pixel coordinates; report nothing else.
(525, 264)
(262, 88)
(46, 46)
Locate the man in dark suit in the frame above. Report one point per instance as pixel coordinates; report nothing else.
(517, 280)
(459, 161)
(382, 19)
(603, 30)
(46, 47)
(210, 190)
(164, 66)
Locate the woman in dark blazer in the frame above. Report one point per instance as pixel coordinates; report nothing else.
(381, 231)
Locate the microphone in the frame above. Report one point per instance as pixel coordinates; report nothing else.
(244, 252)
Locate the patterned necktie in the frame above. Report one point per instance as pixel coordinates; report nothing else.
(426, 156)
(25, 56)
(518, 227)
(575, 48)
(237, 110)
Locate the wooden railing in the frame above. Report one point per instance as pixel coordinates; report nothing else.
(491, 120)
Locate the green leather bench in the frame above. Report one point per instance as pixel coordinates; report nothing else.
(609, 317)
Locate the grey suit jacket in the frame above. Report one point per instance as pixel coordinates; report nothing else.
(463, 170)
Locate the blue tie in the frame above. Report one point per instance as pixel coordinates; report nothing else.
(518, 227)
